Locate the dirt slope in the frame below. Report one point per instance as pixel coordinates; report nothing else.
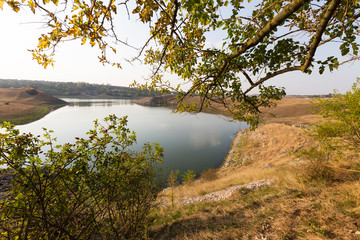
(22, 103)
(272, 145)
(293, 110)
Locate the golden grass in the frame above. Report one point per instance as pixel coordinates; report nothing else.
(201, 187)
(290, 110)
(291, 209)
(262, 155)
(296, 207)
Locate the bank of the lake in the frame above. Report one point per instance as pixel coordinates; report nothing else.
(264, 192)
(25, 105)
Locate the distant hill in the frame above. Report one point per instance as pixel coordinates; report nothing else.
(162, 100)
(79, 89)
(23, 105)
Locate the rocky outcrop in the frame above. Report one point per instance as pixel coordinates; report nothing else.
(228, 192)
(234, 150)
(215, 196)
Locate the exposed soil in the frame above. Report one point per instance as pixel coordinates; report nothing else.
(20, 103)
(157, 100)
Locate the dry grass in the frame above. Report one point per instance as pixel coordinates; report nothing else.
(292, 111)
(296, 207)
(23, 105)
(291, 209)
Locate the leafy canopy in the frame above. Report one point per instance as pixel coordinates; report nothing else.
(95, 188)
(260, 40)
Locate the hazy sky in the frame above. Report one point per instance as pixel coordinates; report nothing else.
(76, 62)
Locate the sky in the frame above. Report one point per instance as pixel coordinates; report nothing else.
(79, 63)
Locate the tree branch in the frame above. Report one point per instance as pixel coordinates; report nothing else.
(355, 17)
(271, 25)
(319, 31)
(247, 76)
(287, 11)
(274, 74)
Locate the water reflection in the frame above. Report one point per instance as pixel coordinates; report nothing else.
(191, 141)
(97, 102)
(209, 138)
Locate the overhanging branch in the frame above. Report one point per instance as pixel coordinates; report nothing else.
(319, 31)
(271, 25)
(274, 74)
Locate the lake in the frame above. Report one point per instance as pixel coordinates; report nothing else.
(190, 141)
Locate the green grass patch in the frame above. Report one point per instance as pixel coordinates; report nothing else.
(39, 112)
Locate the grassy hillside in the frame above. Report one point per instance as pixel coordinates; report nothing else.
(23, 105)
(308, 200)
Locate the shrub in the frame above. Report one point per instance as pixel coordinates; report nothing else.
(338, 133)
(188, 177)
(93, 189)
(172, 183)
(317, 164)
(340, 127)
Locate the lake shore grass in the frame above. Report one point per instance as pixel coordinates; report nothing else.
(294, 207)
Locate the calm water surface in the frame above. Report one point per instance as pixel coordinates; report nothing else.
(190, 141)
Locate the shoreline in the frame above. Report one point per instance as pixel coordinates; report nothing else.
(230, 157)
(24, 105)
(38, 113)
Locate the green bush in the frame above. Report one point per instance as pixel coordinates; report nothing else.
(338, 133)
(340, 127)
(188, 177)
(93, 189)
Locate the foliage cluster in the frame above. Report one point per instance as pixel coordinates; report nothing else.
(338, 132)
(172, 183)
(341, 125)
(260, 41)
(318, 163)
(95, 188)
(188, 177)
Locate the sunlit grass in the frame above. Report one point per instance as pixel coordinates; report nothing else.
(294, 207)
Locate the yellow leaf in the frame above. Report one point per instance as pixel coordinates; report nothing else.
(1, 4)
(83, 41)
